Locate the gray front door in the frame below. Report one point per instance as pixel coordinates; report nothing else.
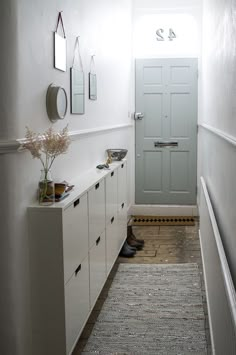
(166, 131)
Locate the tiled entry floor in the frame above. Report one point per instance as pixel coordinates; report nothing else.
(163, 245)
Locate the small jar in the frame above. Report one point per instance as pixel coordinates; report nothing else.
(109, 159)
(46, 189)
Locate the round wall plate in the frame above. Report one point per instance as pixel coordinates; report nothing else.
(56, 102)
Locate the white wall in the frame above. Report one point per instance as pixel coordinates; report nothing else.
(217, 157)
(26, 64)
(183, 16)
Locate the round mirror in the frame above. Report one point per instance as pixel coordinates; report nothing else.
(56, 103)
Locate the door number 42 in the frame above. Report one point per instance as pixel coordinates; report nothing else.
(160, 37)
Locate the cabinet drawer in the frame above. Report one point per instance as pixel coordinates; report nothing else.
(112, 243)
(122, 224)
(97, 259)
(111, 195)
(96, 212)
(122, 184)
(76, 303)
(75, 235)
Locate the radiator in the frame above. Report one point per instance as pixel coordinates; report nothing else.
(220, 291)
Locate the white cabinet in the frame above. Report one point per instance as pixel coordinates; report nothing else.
(76, 303)
(111, 219)
(97, 242)
(96, 211)
(122, 184)
(122, 203)
(75, 235)
(111, 195)
(116, 214)
(47, 284)
(73, 245)
(122, 224)
(112, 244)
(97, 257)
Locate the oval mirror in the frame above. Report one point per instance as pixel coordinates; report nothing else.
(56, 103)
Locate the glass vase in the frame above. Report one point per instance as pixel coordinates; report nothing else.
(46, 190)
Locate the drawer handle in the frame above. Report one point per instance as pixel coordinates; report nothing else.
(77, 270)
(122, 165)
(98, 240)
(112, 174)
(123, 205)
(112, 220)
(76, 202)
(97, 186)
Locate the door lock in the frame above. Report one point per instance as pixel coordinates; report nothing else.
(138, 116)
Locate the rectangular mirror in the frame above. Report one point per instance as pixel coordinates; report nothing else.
(59, 52)
(92, 86)
(77, 91)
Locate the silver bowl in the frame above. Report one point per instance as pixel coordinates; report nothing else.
(117, 154)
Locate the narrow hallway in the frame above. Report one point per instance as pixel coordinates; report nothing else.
(163, 245)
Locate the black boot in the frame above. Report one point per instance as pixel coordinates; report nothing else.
(134, 243)
(132, 236)
(127, 251)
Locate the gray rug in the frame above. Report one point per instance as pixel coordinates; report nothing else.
(151, 309)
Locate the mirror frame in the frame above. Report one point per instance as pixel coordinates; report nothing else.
(52, 103)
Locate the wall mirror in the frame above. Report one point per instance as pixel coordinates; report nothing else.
(56, 103)
(60, 46)
(92, 86)
(77, 90)
(92, 80)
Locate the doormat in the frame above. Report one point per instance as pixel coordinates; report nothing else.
(151, 309)
(162, 221)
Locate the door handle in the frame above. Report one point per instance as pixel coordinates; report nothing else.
(138, 116)
(166, 144)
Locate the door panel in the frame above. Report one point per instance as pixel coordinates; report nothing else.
(152, 173)
(179, 119)
(152, 75)
(166, 93)
(153, 105)
(179, 171)
(179, 75)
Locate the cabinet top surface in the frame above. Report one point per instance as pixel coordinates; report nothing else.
(82, 184)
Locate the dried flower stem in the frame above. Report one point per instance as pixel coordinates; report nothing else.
(50, 144)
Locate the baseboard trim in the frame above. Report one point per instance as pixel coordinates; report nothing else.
(163, 210)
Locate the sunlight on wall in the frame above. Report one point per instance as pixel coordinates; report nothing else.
(185, 26)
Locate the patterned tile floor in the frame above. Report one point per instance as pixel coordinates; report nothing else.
(163, 245)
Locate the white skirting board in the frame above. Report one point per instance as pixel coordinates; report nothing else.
(162, 210)
(220, 291)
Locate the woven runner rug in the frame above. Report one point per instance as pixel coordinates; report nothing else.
(151, 309)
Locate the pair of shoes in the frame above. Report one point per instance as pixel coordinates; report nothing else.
(132, 236)
(134, 243)
(127, 251)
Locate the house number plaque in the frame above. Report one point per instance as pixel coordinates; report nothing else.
(160, 36)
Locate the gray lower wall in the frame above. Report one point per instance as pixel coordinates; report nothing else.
(220, 292)
(217, 164)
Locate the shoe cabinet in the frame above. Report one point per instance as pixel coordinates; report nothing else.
(72, 248)
(122, 204)
(111, 219)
